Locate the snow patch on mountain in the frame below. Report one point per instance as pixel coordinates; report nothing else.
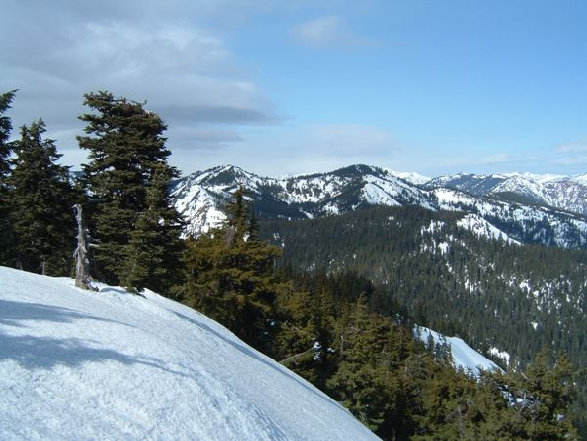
(481, 228)
(503, 355)
(80, 365)
(563, 192)
(411, 177)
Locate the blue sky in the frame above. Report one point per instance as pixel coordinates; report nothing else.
(284, 87)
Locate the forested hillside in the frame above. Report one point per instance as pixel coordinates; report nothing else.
(426, 261)
(514, 299)
(348, 337)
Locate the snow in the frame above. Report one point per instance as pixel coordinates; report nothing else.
(108, 365)
(481, 228)
(411, 177)
(375, 195)
(581, 179)
(505, 356)
(444, 247)
(463, 356)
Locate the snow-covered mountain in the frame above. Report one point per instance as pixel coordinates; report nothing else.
(108, 365)
(564, 192)
(201, 196)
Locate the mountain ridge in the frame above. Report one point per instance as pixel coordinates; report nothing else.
(518, 213)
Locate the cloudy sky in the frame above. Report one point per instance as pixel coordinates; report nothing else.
(291, 86)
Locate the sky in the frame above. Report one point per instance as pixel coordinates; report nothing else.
(297, 86)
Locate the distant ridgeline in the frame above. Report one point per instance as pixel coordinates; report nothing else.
(534, 210)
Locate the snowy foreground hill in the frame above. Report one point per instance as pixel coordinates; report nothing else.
(108, 365)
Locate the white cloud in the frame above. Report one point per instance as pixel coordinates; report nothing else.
(350, 139)
(292, 149)
(574, 147)
(574, 161)
(572, 154)
(498, 158)
(328, 32)
(142, 50)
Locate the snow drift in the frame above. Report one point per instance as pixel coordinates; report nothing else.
(78, 365)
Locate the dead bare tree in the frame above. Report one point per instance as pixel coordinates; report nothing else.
(82, 261)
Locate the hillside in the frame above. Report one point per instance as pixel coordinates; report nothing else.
(80, 365)
(503, 298)
(496, 294)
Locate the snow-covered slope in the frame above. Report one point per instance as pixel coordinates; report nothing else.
(481, 228)
(78, 365)
(563, 192)
(463, 356)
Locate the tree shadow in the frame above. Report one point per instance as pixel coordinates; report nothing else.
(13, 313)
(33, 352)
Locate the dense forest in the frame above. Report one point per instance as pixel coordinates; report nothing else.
(516, 298)
(334, 302)
(494, 294)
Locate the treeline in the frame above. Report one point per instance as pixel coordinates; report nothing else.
(327, 328)
(123, 188)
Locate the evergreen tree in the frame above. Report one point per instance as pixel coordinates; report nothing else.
(5, 129)
(153, 256)
(125, 146)
(41, 200)
(6, 233)
(360, 379)
(230, 276)
(541, 399)
(305, 338)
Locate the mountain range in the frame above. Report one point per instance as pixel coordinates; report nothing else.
(539, 209)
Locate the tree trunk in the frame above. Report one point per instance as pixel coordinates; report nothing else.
(82, 263)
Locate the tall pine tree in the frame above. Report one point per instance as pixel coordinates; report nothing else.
(230, 275)
(154, 251)
(41, 196)
(126, 147)
(6, 234)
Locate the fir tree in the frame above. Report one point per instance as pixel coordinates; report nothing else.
(541, 399)
(41, 199)
(155, 248)
(125, 146)
(5, 130)
(6, 233)
(360, 378)
(230, 276)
